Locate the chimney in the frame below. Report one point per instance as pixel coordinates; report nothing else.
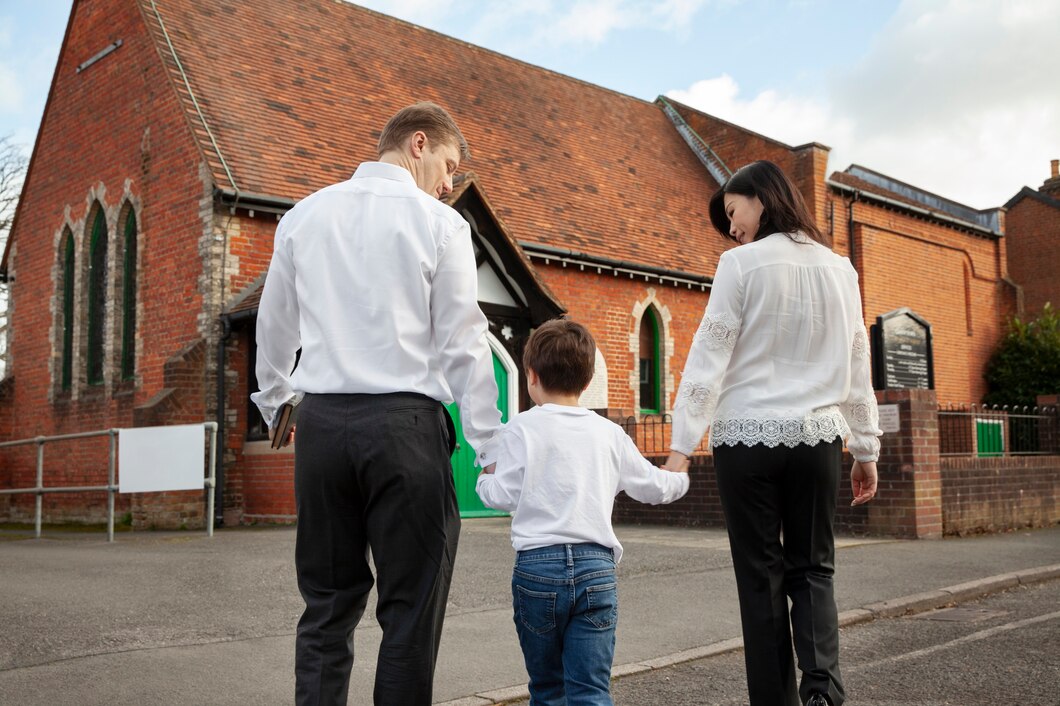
(1051, 186)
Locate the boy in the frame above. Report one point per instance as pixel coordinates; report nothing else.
(559, 467)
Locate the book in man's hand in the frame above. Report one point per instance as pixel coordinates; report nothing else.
(285, 419)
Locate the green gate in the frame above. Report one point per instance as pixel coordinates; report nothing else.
(465, 472)
(990, 437)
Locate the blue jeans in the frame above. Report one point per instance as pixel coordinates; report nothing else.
(565, 601)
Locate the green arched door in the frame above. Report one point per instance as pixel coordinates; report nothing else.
(464, 471)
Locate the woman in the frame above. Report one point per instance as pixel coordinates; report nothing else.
(779, 370)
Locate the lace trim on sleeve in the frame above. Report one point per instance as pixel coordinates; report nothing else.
(862, 413)
(718, 332)
(860, 349)
(697, 398)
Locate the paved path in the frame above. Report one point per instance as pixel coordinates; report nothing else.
(180, 618)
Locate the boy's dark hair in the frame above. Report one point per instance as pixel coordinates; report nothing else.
(563, 354)
(785, 209)
(435, 122)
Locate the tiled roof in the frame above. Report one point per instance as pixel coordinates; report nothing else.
(1036, 195)
(294, 93)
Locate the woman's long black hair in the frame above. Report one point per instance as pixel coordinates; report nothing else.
(785, 209)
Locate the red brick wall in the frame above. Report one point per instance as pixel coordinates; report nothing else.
(997, 494)
(268, 485)
(115, 129)
(951, 278)
(605, 304)
(1033, 233)
(737, 146)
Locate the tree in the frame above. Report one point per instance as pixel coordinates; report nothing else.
(1027, 361)
(13, 164)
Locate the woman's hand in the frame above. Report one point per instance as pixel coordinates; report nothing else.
(677, 462)
(863, 482)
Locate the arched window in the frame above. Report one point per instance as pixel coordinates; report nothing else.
(97, 296)
(66, 287)
(128, 298)
(650, 363)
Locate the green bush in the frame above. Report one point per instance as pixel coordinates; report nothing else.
(1027, 361)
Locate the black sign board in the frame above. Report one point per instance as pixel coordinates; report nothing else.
(901, 352)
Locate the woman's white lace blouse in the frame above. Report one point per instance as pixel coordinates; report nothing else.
(782, 355)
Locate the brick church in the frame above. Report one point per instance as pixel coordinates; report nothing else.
(177, 132)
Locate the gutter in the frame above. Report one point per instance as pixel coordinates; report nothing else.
(565, 257)
(870, 196)
(252, 201)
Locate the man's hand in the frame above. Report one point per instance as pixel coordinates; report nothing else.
(677, 462)
(863, 482)
(490, 468)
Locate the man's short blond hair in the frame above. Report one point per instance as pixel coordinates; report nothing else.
(431, 119)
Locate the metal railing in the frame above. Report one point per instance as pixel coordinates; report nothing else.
(651, 433)
(40, 490)
(982, 430)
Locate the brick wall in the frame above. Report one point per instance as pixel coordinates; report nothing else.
(951, 278)
(268, 485)
(1033, 230)
(996, 494)
(611, 307)
(737, 146)
(133, 146)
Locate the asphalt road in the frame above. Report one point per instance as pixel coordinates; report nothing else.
(1004, 649)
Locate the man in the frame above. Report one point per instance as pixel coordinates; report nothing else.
(375, 280)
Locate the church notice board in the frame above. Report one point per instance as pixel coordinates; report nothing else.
(153, 459)
(901, 352)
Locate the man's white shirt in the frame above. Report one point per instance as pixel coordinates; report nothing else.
(376, 281)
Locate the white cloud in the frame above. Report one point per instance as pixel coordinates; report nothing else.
(587, 21)
(791, 119)
(958, 98)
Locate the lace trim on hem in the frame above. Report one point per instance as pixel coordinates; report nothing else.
(812, 429)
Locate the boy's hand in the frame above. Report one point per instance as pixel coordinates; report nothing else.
(676, 462)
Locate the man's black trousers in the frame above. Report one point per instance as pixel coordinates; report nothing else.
(372, 472)
(765, 493)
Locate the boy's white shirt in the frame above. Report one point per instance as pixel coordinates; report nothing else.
(558, 471)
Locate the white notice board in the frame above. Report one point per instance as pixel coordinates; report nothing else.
(152, 459)
(889, 423)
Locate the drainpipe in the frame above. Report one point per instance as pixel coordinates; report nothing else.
(226, 333)
(850, 229)
(219, 506)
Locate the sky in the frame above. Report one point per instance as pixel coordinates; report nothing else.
(957, 97)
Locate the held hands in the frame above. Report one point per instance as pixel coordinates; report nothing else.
(863, 482)
(676, 462)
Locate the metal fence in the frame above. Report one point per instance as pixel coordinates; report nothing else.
(40, 490)
(964, 430)
(651, 434)
(981, 430)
